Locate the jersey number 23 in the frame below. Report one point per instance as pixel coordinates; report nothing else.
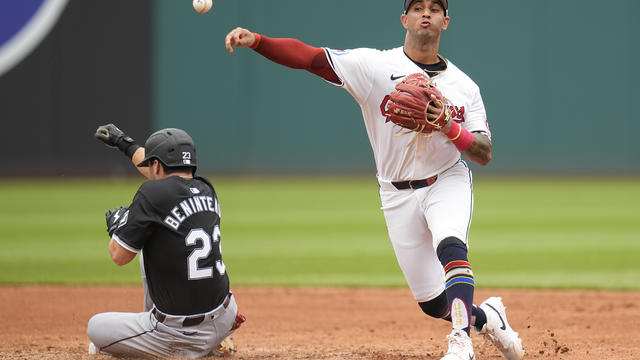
(194, 237)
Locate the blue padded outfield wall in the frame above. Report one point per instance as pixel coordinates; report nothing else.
(560, 81)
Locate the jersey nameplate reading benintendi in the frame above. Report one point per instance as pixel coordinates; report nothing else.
(195, 204)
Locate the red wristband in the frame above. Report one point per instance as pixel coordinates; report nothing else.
(460, 137)
(256, 42)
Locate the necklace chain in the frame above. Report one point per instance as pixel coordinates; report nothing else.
(443, 60)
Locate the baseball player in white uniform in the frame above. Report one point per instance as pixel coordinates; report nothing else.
(425, 187)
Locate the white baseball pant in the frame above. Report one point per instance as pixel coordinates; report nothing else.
(417, 220)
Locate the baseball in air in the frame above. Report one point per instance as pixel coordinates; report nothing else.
(202, 6)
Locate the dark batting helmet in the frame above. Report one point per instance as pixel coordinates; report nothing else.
(445, 5)
(172, 147)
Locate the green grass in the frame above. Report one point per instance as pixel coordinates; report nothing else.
(328, 231)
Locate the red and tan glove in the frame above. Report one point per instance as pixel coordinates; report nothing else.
(411, 105)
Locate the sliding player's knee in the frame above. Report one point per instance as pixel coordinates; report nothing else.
(437, 308)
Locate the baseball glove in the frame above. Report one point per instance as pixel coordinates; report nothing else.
(116, 218)
(412, 107)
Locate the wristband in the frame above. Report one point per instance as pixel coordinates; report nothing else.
(128, 147)
(131, 150)
(460, 137)
(256, 42)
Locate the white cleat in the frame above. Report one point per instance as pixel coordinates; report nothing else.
(460, 346)
(497, 329)
(92, 349)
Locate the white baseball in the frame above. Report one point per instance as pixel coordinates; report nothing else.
(202, 6)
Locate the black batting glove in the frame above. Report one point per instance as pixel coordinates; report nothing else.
(114, 137)
(116, 218)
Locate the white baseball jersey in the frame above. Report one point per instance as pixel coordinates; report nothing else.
(417, 220)
(370, 75)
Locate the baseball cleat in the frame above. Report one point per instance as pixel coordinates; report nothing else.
(460, 346)
(497, 329)
(92, 349)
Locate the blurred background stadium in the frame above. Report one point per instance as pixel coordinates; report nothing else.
(559, 80)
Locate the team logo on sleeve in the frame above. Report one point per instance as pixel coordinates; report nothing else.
(23, 25)
(339, 52)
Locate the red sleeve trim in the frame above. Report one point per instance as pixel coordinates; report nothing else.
(256, 42)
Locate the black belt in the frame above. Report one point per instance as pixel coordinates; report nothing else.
(415, 184)
(192, 320)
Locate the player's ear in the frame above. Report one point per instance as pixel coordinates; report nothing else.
(154, 165)
(403, 20)
(447, 20)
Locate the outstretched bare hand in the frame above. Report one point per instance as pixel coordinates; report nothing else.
(239, 37)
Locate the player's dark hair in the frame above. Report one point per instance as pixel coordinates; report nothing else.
(169, 170)
(177, 169)
(444, 3)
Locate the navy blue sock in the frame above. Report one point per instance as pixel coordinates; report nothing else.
(459, 284)
(478, 317)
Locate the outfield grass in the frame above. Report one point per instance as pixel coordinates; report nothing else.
(559, 232)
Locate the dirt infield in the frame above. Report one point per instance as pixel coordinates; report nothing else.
(48, 322)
